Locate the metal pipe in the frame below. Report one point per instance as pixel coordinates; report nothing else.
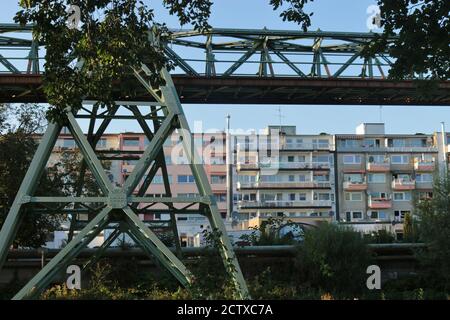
(229, 169)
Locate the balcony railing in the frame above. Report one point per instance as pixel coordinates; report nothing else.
(378, 166)
(278, 145)
(283, 204)
(424, 165)
(355, 186)
(402, 184)
(283, 185)
(386, 149)
(284, 165)
(379, 203)
(306, 146)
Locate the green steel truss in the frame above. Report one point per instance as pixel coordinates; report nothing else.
(118, 206)
(235, 52)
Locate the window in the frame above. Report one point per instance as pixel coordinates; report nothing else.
(400, 215)
(379, 195)
(291, 178)
(402, 196)
(302, 178)
(352, 159)
(357, 215)
(168, 159)
(302, 196)
(377, 178)
(322, 196)
(424, 177)
(354, 177)
(131, 142)
(377, 158)
(400, 159)
(347, 143)
(321, 158)
(378, 215)
(69, 143)
(320, 143)
(292, 196)
(290, 158)
(353, 196)
(101, 143)
(246, 179)
(158, 179)
(185, 179)
(218, 179)
(220, 197)
(321, 177)
(188, 195)
(353, 215)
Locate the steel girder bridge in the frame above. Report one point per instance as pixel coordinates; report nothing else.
(218, 66)
(241, 66)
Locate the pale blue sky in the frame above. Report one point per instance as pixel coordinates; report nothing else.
(329, 15)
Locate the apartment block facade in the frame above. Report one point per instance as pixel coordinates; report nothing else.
(380, 176)
(368, 180)
(282, 174)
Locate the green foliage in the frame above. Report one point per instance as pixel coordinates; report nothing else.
(379, 236)
(112, 39)
(422, 45)
(211, 279)
(434, 215)
(268, 233)
(18, 126)
(334, 259)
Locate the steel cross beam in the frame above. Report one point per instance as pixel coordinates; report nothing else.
(118, 203)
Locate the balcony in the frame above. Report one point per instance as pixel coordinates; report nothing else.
(304, 165)
(306, 146)
(379, 203)
(401, 184)
(355, 186)
(424, 166)
(284, 165)
(284, 185)
(378, 166)
(247, 166)
(283, 204)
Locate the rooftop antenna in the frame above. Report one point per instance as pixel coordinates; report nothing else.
(280, 116)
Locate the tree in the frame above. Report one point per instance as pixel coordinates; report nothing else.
(434, 215)
(18, 125)
(423, 45)
(111, 41)
(334, 260)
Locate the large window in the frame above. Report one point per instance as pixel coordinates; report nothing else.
(220, 197)
(158, 179)
(378, 215)
(399, 159)
(377, 178)
(322, 196)
(424, 177)
(402, 196)
(185, 178)
(352, 159)
(321, 158)
(353, 196)
(218, 179)
(131, 142)
(377, 158)
(354, 177)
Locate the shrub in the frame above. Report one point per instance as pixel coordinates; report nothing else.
(334, 260)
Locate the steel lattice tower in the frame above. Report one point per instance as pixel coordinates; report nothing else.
(119, 204)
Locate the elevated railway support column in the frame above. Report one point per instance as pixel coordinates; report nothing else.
(118, 207)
